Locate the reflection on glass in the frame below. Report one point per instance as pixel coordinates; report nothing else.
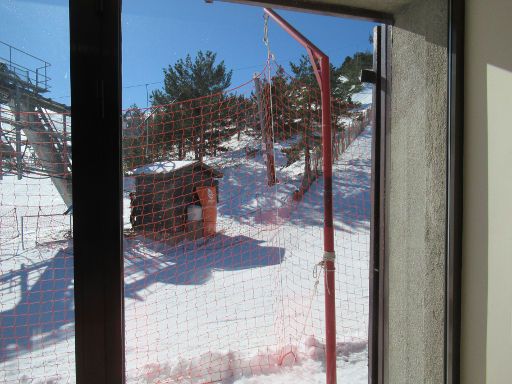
(36, 236)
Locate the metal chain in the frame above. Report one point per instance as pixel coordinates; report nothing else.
(265, 29)
(270, 55)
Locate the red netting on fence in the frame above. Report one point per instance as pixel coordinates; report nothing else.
(224, 223)
(36, 256)
(223, 236)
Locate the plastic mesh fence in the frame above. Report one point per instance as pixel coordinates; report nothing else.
(36, 256)
(224, 233)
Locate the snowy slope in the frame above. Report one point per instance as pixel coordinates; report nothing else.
(364, 97)
(247, 298)
(243, 307)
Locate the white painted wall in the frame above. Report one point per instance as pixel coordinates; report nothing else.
(486, 355)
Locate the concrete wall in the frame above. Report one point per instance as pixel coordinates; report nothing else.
(416, 194)
(486, 350)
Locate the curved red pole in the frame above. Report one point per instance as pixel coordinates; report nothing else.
(323, 74)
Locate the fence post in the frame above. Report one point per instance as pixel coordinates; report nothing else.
(267, 144)
(329, 254)
(45, 76)
(323, 76)
(22, 234)
(201, 135)
(23, 280)
(37, 224)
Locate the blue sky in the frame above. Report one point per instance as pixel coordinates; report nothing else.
(156, 33)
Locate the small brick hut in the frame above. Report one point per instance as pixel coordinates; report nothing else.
(164, 190)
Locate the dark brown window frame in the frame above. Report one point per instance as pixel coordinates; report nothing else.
(377, 336)
(95, 34)
(454, 195)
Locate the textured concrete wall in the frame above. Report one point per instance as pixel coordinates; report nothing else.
(486, 348)
(416, 194)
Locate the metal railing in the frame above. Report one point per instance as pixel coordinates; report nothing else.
(46, 231)
(21, 66)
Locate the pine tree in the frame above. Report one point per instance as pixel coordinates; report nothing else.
(188, 79)
(344, 79)
(275, 98)
(307, 98)
(133, 135)
(183, 118)
(304, 71)
(347, 82)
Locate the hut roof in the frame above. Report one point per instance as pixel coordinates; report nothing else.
(167, 167)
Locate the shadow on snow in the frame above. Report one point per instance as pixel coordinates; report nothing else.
(351, 194)
(44, 314)
(193, 263)
(44, 308)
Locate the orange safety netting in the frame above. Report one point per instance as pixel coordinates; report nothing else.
(223, 222)
(211, 300)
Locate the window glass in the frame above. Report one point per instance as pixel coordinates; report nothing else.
(223, 195)
(36, 216)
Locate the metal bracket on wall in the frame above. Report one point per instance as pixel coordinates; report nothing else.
(368, 76)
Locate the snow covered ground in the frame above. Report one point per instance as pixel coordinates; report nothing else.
(246, 299)
(243, 307)
(364, 97)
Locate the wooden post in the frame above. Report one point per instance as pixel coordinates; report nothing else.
(201, 138)
(267, 143)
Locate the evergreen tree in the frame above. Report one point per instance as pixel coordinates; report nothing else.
(303, 70)
(344, 79)
(133, 137)
(277, 97)
(183, 118)
(347, 82)
(306, 97)
(189, 79)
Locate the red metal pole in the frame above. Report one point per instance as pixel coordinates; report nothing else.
(329, 255)
(293, 32)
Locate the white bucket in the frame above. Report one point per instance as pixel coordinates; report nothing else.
(194, 213)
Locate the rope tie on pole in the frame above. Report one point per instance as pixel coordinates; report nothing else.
(328, 256)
